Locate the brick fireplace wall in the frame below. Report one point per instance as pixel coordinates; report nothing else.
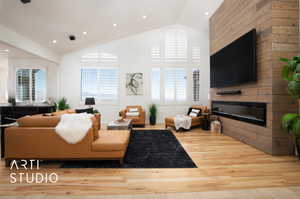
(277, 25)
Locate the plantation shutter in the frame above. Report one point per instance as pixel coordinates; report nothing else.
(175, 84)
(89, 83)
(176, 46)
(100, 76)
(23, 85)
(108, 83)
(196, 84)
(196, 54)
(155, 83)
(31, 85)
(155, 54)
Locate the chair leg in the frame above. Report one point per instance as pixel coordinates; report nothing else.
(121, 161)
(7, 163)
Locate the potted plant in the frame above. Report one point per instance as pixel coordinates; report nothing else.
(153, 113)
(12, 101)
(291, 121)
(62, 104)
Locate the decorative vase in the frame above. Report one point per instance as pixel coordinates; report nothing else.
(152, 120)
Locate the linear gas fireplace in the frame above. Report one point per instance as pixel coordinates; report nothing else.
(251, 112)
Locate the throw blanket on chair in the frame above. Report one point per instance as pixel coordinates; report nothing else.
(74, 127)
(182, 121)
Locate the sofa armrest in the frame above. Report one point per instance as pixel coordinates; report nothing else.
(122, 113)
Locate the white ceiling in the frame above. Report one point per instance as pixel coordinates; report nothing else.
(12, 52)
(45, 20)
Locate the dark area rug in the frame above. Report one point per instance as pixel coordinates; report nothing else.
(146, 149)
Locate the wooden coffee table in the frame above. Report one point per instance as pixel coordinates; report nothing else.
(115, 125)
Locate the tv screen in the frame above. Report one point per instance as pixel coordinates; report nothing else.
(235, 64)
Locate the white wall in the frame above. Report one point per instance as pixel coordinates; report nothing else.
(50, 67)
(134, 55)
(3, 78)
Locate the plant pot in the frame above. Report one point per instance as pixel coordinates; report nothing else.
(152, 120)
(297, 147)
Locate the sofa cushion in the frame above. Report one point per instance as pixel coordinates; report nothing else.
(132, 114)
(111, 141)
(38, 121)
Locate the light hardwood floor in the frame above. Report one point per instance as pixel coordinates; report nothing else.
(223, 164)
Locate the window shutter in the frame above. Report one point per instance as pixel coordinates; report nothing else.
(108, 60)
(89, 83)
(31, 85)
(176, 46)
(180, 84)
(155, 89)
(196, 54)
(175, 84)
(108, 84)
(196, 84)
(155, 54)
(38, 85)
(90, 59)
(23, 85)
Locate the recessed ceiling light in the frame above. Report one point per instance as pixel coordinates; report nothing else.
(144, 17)
(206, 13)
(115, 24)
(85, 33)
(54, 41)
(7, 50)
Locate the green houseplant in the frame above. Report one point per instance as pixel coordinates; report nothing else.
(291, 121)
(12, 101)
(153, 114)
(62, 104)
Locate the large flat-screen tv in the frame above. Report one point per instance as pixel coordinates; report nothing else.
(235, 64)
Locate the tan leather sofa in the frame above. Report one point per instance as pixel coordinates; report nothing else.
(196, 121)
(136, 120)
(35, 138)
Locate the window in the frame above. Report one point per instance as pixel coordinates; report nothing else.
(155, 54)
(196, 84)
(31, 85)
(176, 46)
(100, 83)
(155, 84)
(196, 54)
(175, 85)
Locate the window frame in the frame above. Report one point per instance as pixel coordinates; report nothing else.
(30, 83)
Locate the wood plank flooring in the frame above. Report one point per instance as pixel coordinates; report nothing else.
(223, 164)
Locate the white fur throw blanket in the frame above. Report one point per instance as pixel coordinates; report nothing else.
(182, 121)
(74, 127)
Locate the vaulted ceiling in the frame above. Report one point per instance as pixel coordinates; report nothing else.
(46, 20)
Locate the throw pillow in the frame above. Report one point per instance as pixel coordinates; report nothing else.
(198, 112)
(132, 110)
